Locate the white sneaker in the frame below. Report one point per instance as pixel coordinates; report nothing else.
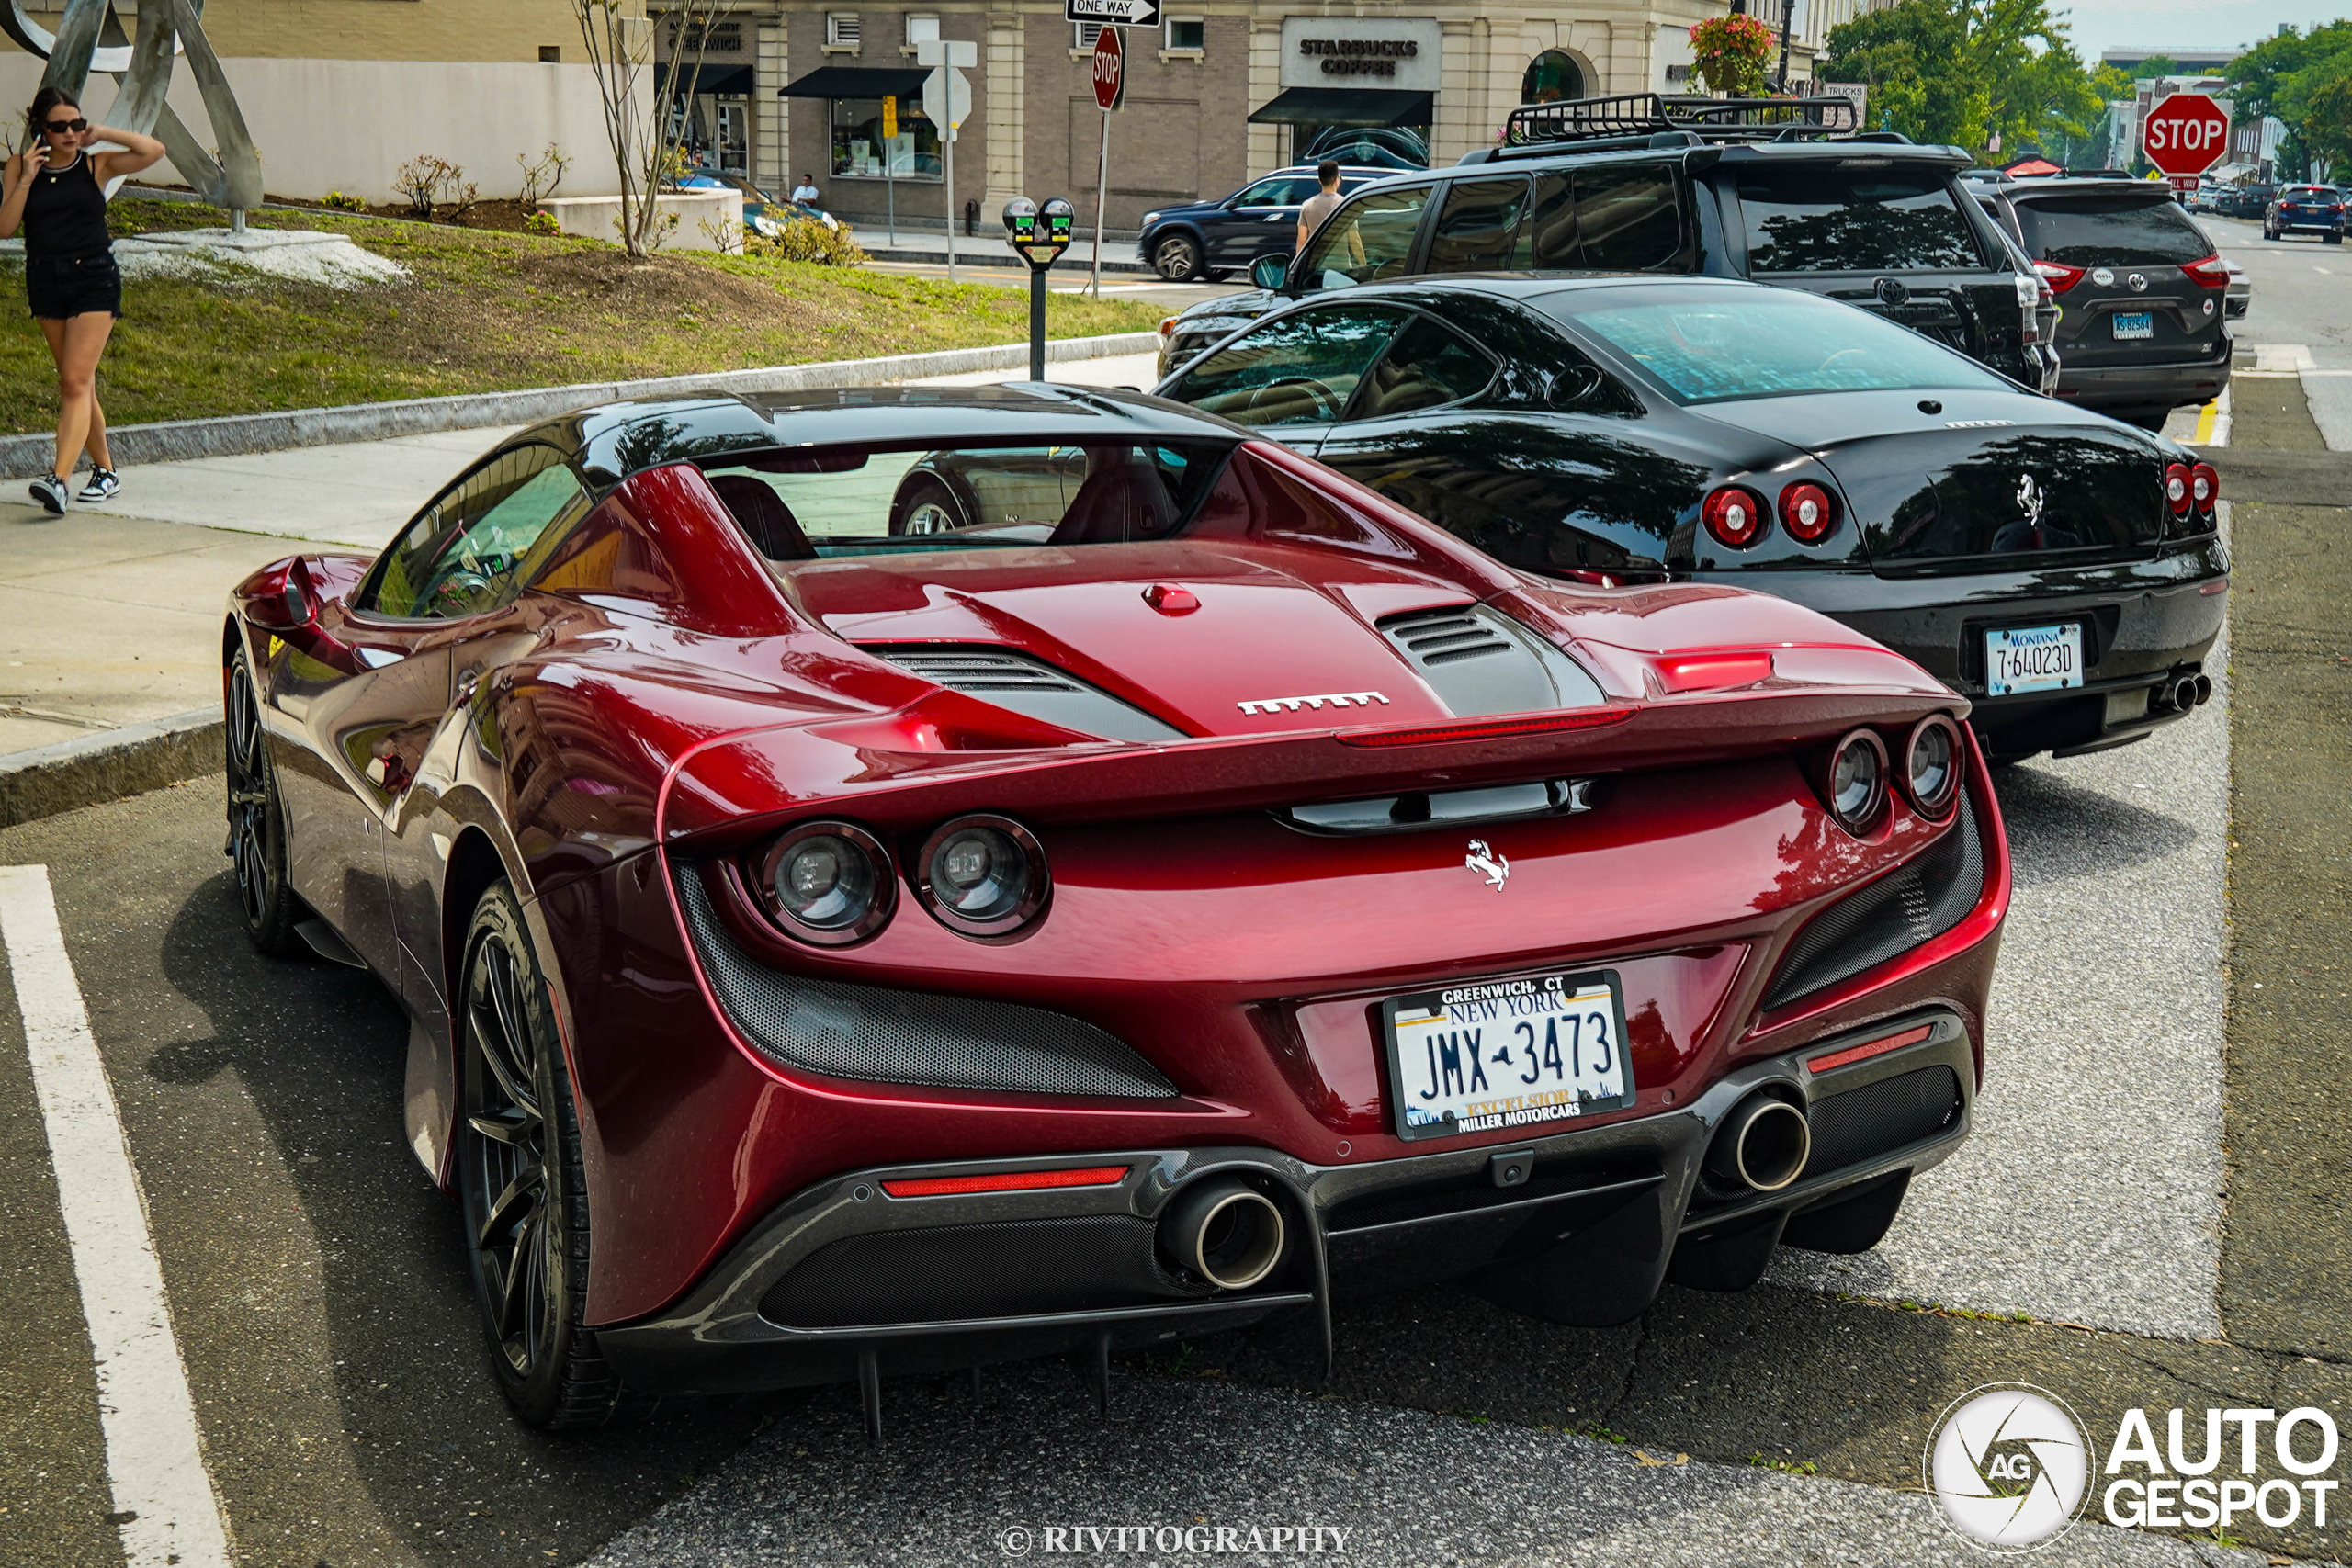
(103, 483)
(52, 496)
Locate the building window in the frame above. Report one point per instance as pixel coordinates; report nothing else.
(840, 29)
(921, 29)
(1185, 35)
(1551, 76)
(859, 151)
(550, 54)
(1083, 34)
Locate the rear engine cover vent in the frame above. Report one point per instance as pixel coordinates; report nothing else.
(1033, 687)
(1480, 662)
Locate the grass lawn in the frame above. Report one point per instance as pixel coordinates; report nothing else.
(484, 311)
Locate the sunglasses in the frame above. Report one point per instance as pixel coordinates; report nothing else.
(64, 127)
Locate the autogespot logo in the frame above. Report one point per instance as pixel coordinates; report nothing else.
(2009, 1466)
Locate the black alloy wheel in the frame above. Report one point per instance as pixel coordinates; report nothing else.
(521, 1184)
(256, 844)
(1177, 258)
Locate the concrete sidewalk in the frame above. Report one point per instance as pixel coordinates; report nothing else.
(111, 617)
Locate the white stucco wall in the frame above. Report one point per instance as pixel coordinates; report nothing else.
(347, 125)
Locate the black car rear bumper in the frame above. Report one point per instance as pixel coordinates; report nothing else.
(847, 1282)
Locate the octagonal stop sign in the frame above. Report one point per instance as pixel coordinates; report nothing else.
(2186, 134)
(1110, 70)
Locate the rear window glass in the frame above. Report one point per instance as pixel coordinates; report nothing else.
(850, 501)
(1835, 220)
(1742, 342)
(2111, 230)
(2307, 192)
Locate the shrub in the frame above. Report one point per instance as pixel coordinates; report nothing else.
(343, 203)
(542, 223)
(807, 239)
(543, 174)
(434, 185)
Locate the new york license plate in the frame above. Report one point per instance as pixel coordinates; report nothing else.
(2137, 324)
(1498, 1054)
(2033, 659)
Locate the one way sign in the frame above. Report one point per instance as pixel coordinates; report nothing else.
(1113, 13)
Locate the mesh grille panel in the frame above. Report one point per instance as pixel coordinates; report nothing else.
(890, 1036)
(1083, 1263)
(1892, 915)
(1851, 1127)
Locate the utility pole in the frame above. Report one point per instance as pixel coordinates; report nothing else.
(1788, 24)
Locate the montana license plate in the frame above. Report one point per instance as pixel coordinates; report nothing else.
(1500, 1053)
(2033, 659)
(2137, 324)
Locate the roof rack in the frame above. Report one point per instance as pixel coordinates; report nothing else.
(1704, 119)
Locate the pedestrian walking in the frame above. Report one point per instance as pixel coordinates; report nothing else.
(56, 193)
(1319, 207)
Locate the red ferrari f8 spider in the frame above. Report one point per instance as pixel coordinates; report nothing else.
(890, 881)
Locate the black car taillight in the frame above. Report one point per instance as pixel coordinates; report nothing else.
(2204, 486)
(1735, 515)
(2179, 488)
(1808, 512)
(828, 883)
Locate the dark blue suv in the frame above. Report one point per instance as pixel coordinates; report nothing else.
(1209, 239)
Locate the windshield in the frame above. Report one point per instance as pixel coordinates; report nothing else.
(859, 500)
(1716, 345)
(2111, 230)
(1820, 219)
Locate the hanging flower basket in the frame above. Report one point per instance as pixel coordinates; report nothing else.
(1732, 55)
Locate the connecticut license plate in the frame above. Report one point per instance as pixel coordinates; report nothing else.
(2139, 323)
(1498, 1054)
(2033, 659)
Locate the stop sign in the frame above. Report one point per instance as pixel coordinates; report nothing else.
(1110, 69)
(2186, 134)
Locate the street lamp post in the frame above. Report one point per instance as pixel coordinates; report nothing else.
(1788, 24)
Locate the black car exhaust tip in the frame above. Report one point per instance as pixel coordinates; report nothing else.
(2182, 695)
(1762, 1146)
(1224, 1230)
(2204, 690)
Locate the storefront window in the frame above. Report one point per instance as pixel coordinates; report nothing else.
(1551, 77)
(858, 148)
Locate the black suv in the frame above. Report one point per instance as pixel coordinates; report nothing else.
(1785, 191)
(2141, 292)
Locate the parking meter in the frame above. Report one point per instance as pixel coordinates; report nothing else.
(1040, 235)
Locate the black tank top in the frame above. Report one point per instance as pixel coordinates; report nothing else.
(65, 214)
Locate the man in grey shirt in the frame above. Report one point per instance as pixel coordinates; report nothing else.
(1318, 206)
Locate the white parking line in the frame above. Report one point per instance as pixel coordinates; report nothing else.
(154, 1459)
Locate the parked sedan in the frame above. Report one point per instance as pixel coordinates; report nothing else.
(2306, 209)
(2060, 569)
(1210, 239)
(835, 953)
(764, 214)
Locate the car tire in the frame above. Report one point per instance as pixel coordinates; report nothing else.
(926, 505)
(522, 1186)
(1177, 258)
(2333, 238)
(256, 844)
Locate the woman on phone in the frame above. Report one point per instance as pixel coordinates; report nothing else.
(56, 194)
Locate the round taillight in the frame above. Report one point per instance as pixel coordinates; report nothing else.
(827, 882)
(1733, 514)
(1807, 513)
(982, 875)
(1931, 765)
(1857, 781)
(2176, 489)
(2205, 485)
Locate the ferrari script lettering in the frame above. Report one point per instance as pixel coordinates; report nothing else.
(1329, 699)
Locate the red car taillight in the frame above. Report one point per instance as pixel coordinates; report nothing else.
(1735, 515)
(2208, 273)
(2178, 487)
(1807, 513)
(2058, 275)
(2205, 486)
(1004, 1181)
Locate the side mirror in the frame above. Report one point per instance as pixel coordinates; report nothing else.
(1270, 272)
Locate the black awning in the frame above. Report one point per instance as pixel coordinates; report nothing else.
(723, 81)
(859, 82)
(1346, 106)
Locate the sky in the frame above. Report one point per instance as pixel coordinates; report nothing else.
(2097, 25)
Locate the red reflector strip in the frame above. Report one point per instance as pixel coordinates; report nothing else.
(1712, 672)
(1006, 1181)
(1495, 730)
(2219, 585)
(1853, 1053)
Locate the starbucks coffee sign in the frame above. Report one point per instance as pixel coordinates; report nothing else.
(1399, 53)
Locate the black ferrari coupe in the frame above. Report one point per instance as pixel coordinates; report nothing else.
(2063, 570)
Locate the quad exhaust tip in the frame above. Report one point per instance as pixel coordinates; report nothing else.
(1763, 1145)
(1224, 1230)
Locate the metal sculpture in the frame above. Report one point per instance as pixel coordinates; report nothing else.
(90, 37)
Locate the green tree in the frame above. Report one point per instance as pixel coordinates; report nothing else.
(2306, 80)
(1958, 71)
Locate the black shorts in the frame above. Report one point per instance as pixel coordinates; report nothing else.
(60, 286)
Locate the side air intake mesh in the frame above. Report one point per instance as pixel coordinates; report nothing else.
(1892, 915)
(883, 1035)
(1862, 1124)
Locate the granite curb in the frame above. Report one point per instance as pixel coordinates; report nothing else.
(108, 765)
(21, 457)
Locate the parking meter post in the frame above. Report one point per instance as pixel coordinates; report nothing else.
(1038, 322)
(1038, 235)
